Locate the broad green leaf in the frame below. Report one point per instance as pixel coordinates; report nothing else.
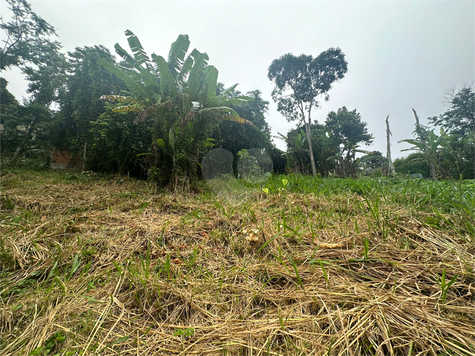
(136, 48)
(211, 74)
(196, 73)
(185, 70)
(171, 138)
(167, 83)
(132, 83)
(176, 56)
(210, 142)
(119, 340)
(76, 265)
(124, 55)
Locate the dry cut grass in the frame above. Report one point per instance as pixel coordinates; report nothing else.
(98, 266)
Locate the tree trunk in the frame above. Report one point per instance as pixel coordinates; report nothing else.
(23, 143)
(309, 139)
(84, 157)
(391, 169)
(433, 169)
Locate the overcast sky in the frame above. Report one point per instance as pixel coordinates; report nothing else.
(401, 54)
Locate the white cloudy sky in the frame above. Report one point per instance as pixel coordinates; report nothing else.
(401, 54)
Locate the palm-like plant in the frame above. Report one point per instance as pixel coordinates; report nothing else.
(296, 149)
(180, 94)
(428, 143)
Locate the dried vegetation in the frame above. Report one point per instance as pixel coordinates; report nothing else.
(104, 266)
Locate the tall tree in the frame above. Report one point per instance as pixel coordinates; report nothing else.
(27, 42)
(34, 117)
(9, 120)
(459, 119)
(348, 132)
(80, 102)
(46, 82)
(459, 122)
(324, 148)
(27, 37)
(300, 81)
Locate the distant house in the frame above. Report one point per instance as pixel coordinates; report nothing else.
(63, 158)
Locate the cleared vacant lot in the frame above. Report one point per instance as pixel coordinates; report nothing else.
(294, 266)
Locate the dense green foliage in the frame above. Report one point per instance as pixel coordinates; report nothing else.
(180, 95)
(459, 119)
(10, 138)
(25, 127)
(27, 43)
(117, 144)
(347, 132)
(447, 156)
(80, 102)
(235, 137)
(334, 144)
(413, 163)
(372, 161)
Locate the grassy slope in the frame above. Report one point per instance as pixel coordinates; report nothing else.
(350, 267)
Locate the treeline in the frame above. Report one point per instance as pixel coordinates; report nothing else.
(120, 140)
(142, 115)
(445, 149)
(155, 117)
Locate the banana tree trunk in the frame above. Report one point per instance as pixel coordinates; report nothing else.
(433, 169)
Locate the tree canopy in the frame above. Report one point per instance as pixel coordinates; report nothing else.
(80, 101)
(347, 132)
(27, 37)
(459, 119)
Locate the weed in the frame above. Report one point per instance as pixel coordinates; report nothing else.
(444, 286)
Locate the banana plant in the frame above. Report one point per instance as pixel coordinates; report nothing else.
(179, 92)
(189, 83)
(296, 148)
(428, 143)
